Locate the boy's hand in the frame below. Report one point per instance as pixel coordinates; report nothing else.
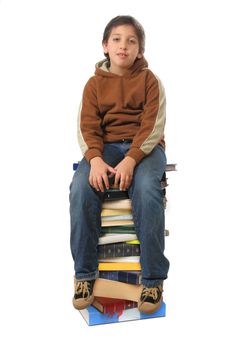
(99, 174)
(124, 173)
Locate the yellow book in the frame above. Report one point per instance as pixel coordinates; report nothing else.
(112, 212)
(117, 223)
(133, 241)
(119, 266)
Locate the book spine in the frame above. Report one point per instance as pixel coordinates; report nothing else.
(117, 217)
(118, 250)
(122, 276)
(119, 307)
(115, 194)
(116, 229)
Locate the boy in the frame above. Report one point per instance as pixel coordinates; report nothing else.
(121, 135)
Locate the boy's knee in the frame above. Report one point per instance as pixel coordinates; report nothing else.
(80, 185)
(146, 184)
(147, 192)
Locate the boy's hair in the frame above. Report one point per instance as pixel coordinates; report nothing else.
(124, 20)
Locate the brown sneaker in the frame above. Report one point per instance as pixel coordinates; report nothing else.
(83, 294)
(150, 299)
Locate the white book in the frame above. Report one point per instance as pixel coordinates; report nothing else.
(116, 223)
(117, 217)
(117, 204)
(121, 259)
(114, 238)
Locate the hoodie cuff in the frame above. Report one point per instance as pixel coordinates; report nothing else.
(92, 153)
(136, 154)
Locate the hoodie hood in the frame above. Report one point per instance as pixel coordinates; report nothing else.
(102, 68)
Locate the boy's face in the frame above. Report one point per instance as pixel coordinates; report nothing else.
(123, 48)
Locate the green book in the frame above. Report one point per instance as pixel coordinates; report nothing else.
(118, 229)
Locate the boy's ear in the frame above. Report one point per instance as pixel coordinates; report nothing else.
(139, 55)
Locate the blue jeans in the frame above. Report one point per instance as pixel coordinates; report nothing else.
(148, 215)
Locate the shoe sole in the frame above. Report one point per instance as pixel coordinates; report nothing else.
(149, 308)
(81, 304)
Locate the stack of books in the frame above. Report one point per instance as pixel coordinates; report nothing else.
(118, 248)
(118, 287)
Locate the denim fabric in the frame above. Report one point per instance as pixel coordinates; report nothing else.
(148, 215)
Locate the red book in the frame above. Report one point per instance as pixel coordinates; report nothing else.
(110, 306)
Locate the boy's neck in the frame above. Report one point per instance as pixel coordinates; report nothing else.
(118, 71)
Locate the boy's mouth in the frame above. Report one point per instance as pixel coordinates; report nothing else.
(122, 54)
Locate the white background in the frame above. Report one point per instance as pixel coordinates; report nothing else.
(48, 50)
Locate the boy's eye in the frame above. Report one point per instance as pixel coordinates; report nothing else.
(130, 41)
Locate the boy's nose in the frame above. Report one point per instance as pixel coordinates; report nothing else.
(123, 45)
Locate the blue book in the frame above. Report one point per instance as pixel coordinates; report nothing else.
(132, 277)
(94, 317)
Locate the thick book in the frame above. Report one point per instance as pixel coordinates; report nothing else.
(106, 266)
(120, 237)
(113, 212)
(94, 317)
(132, 277)
(117, 204)
(120, 259)
(113, 218)
(118, 229)
(116, 223)
(115, 193)
(110, 306)
(114, 238)
(114, 202)
(118, 290)
(117, 250)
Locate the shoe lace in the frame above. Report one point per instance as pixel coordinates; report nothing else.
(154, 292)
(83, 288)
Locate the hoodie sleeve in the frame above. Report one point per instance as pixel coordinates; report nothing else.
(90, 132)
(153, 118)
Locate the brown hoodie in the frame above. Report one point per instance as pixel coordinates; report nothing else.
(116, 108)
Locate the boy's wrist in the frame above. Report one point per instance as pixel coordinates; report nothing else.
(136, 154)
(131, 159)
(95, 159)
(92, 153)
